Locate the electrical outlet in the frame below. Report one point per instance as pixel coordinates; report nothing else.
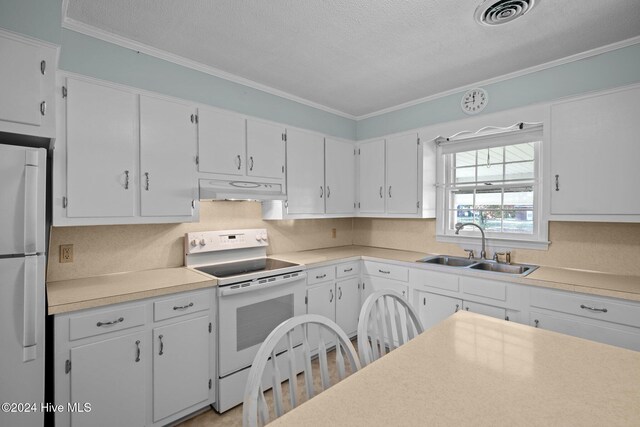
(333, 233)
(66, 253)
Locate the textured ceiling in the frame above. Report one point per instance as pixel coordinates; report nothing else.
(360, 56)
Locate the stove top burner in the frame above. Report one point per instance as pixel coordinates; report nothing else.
(238, 268)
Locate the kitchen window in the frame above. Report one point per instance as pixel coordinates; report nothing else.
(492, 178)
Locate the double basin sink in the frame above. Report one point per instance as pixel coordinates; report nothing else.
(483, 265)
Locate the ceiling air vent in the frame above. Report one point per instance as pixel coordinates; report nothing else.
(496, 12)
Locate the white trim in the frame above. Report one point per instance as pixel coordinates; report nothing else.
(89, 30)
(495, 243)
(572, 58)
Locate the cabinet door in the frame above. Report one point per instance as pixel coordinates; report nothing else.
(321, 300)
(434, 308)
(371, 177)
(167, 158)
(180, 366)
(348, 305)
(305, 173)
(110, 375)
(372, 284)
(21, 83)
(594, 154)
(402, 174)
(265, 149)
(487, 310)
(340, 176)
(221, 142)
(102, 125)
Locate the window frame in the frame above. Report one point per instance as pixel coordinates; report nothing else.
(481, 140)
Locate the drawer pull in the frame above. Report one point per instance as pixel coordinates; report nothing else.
(182, 307)
(346, 270)
(384, 272)
(113, 322)
(321, 276)
(137, 350)
(586, 307)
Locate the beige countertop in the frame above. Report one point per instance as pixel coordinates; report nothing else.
(76, 294)
(476, 370)
(590, 282)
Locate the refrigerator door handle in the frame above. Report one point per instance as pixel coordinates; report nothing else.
(30, 209)
(30, 308)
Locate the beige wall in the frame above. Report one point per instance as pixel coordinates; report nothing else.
(118, 248)
(607, 247)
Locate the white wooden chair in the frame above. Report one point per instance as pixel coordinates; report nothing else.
(254, 400)
(386, 320)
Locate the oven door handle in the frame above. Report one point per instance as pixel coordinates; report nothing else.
(227, 291)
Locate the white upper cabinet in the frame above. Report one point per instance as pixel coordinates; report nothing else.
(122, 157)
(221, 142)
(101, 144)
(265, 149)
(305, 172)
(402, 174)
(340, 176)
(167, 157)
(28, 69)
(371, 187)
(595, 151)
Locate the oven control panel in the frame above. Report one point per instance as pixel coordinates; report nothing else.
(213, 241)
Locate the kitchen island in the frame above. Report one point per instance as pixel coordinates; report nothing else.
(475, 370)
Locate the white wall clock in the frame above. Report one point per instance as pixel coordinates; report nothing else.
(474, 101)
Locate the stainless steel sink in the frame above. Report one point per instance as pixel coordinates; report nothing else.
(479, 264)
(451, 261)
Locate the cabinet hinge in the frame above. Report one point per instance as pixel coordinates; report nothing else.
(197, 160)
(210, 383)
(64, 91)
(67, 366)
(65, 202)
(306, 300)
(210, 327)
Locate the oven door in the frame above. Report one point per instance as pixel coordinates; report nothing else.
(247, 316)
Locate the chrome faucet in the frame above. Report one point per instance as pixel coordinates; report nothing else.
(460, 226)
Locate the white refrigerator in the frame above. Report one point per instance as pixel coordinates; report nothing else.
(22, 291)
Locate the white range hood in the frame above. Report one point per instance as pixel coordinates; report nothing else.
(217, 189)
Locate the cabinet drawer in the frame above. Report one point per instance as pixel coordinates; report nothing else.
(434, 279)
(348, 269)
(181, 305)
(587, 306)
(594, 330)
(388, 271)
(484, 288)
(321, 274)
(104, 321)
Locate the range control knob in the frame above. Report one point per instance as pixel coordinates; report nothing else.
(194, 243)
(263, 237)
(257, 237)
(203, 242)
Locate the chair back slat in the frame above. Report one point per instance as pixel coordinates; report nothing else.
(324, 367)
(263, 408)
(377, 327)
(277, 385)
(339, 360)
(293, 378)
(308, 373)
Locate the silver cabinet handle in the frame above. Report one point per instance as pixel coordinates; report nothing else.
(328, 191)
(43, 66)
(146, 181)
(557, 182)
(381, 191)
(404, 293)
(137, 350)
(466, 308)
(321, 276)
(384, 272)
(536, 322)
(586, 307)
(389, 191)
(126, 180)
(182, 307)
(339, 292)
(346, 270)
(113, 322)
(239, 161)
(251, 165)
(43, 108)
(457, 308)
(331, 292)
(161, 345)
(321, 191)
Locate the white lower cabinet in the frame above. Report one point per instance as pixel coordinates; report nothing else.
(434, 308)
(110, 376)
(131, 369)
